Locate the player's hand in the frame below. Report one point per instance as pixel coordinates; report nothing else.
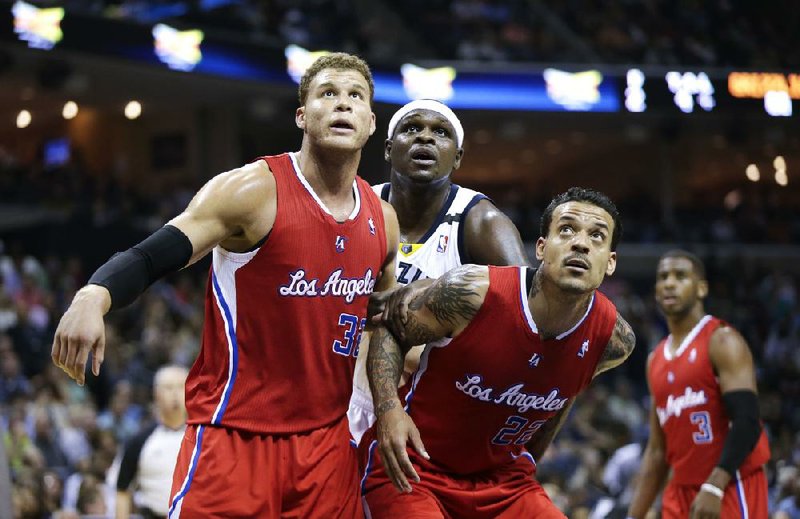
(80, 331)
(395, 429)
(390, 307)
(705, 506)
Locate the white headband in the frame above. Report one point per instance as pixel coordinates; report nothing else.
(432, 105)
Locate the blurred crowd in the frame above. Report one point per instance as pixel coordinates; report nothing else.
(687, 32)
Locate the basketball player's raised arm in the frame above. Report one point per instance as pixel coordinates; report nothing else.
(654, 469)
(733, 364)
(492, 238)
(442, 310)
(235, 209)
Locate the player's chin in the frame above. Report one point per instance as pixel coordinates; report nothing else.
(345, 142)
(573, 285)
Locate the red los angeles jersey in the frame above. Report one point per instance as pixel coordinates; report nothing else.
(690, 409)
(282, 322)
(478, 398)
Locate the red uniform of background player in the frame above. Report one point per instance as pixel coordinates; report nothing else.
(299, 242)
(704, 413)
(511, 356)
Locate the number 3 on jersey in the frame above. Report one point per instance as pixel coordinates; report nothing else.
(352, 335)
(703, 422)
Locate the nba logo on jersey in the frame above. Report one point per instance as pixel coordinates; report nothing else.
(442, 246)
(584, 348)
(371, 226)
(340, 243)
(670, 377)
(693, 355)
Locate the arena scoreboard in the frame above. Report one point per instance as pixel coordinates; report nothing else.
(682, 92)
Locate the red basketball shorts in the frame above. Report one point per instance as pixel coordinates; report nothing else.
(744, 497)
(229, 473)
(510, 492)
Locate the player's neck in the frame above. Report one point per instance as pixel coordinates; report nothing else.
(330, 173)
(680, 325)
(417, 206)
(553, 310)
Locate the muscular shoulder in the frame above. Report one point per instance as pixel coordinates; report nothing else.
(243, 190)
(457, 296)
(619, 347)
(491, 237)
(727, 346)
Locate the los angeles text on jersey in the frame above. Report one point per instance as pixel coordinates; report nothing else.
(513, 396)
(676, 404)
(336, 285)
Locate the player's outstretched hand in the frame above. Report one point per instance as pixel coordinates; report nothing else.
(390, 307)
(80, 331)
(705, 506)
(395, 430)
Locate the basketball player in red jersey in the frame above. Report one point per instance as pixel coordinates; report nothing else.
(704, 419)
(292, 236)
(507, 348)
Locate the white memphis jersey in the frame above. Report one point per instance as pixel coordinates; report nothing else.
(442, 248)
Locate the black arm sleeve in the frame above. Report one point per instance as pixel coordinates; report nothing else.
(127, 274)
(129, 466)
(742, 409)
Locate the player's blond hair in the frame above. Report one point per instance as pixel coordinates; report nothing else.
(337, 61)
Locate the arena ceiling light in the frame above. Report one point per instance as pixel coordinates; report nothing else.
(133, 109)
(23, 119)
(70, 110)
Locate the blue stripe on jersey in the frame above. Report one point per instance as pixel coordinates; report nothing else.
(463, 253)
(524, 454)
(190, 476)
(233, 352)
(368, 468)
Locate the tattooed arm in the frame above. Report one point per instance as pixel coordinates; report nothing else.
(544, 436)
(443, 309)
(619, 347)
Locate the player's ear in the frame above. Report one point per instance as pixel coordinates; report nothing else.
(387, 150)
(540, 243)
(372, 125)
(300, 117)
(612, 263)
(702, 289)
(459, 155)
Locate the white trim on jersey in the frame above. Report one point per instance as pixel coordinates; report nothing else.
(423, 367)
(523, 295)
(223, 279)
(589, 309)
(308, 187)
(743, 508)
(177, 501)
(686, 341)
